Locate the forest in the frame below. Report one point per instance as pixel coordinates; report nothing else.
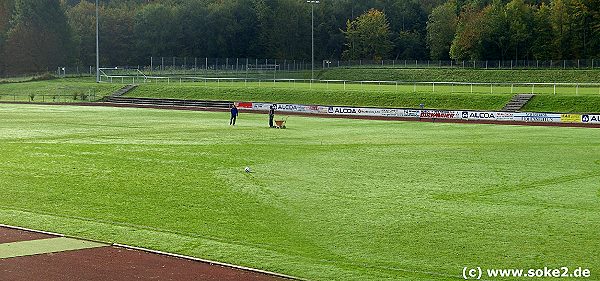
(39, 35)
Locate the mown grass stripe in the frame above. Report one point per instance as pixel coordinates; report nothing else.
(44, 246)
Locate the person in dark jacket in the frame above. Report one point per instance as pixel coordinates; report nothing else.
(234, 114)
(272, 115)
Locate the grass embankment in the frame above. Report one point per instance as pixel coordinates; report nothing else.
(329, 199)
(324, 97)
(464, 75)
(373, 95)
(56, 90)
(583, 99)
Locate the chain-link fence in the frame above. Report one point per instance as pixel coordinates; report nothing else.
(59, 98)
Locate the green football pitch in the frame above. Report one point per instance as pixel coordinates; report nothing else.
(328, 199)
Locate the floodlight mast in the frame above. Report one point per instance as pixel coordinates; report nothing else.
(313, 2)
(97, 47)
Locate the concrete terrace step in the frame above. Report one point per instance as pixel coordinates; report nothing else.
(170, 102)
(517, 102)
(120, 92)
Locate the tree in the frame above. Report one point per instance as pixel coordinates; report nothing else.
(6, 10)
(495, 38)
(117, 44)
(441, 29)
(542, 47)
(482, 34)
(156, 31)
(39, 38)
(408, 22)
(466, 43)
(292, 36)
(594, 28)
(521, 22)
(368, 36)
(82, 19)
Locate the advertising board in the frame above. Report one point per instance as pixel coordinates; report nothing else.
(428, 114)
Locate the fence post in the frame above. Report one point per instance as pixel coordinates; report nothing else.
(433, 86)
(471, 88)
(532, 88)
(512, 86)
(577, 90)
(555, 89)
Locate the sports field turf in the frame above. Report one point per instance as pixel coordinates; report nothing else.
(329, 199)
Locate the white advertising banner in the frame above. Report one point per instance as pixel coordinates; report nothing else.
(590, 119)
(428, 114)
(439, 114)
(537, 117)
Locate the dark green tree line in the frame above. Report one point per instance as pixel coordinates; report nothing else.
(38, 35)
(521, 30)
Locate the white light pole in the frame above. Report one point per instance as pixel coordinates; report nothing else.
(97, 47)
(312, 2)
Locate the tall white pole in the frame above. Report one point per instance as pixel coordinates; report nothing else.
(313, 37)
(313, 42)
(97, 47)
